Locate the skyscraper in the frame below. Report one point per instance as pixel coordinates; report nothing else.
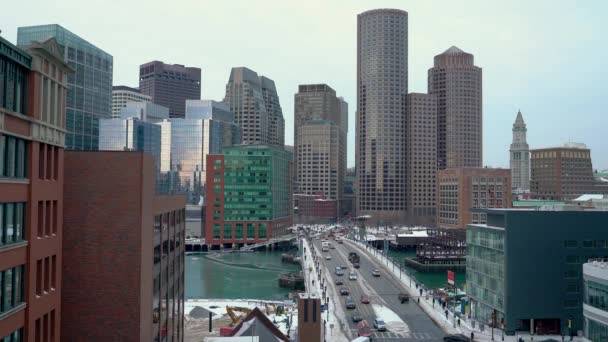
(421, 158)
(89, 96)
(457, 83)
(520, 156)
(170, 85)
(255, 104)
(382, 70)
(316, 157)
(123, 94)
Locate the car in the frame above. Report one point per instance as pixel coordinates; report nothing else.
(404, 297)
(364, 299)
(340, 273)
(339, 282)
(343, 267)
(379, 324)
(356, 265)
(350, 303)
(363, 329)
(356, 317)
(344, 291)
(328, 257)
(456, 338)
(352, 276)
(332, 247)
(376, 273)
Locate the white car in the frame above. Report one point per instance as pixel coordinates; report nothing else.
(328, 257)
(352, 276)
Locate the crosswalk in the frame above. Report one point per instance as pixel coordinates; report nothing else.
(401, 335)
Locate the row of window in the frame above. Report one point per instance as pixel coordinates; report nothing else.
(12, 223)
(15, 336)
(12, 283)
(45, 328)
(13, 157)
(46, 274)
(262, 229)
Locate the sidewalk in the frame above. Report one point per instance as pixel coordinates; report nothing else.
(437, 314)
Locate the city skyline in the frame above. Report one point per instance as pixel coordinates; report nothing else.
(511, 49)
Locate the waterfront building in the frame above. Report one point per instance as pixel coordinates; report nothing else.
(249, 194)
(457, 83)
(595, 299)
(314, 209)
(195, 220)
(561, 173)
(144, 111)
(255, 104)
(208, 109)
(527, 265)
(520, 156)
(381, 115)
(130, 135)
(170, 85)
(33, 88)
(461, 189)
(141, 293)
(123, 94)
(89, 96)
(320, 130)
(421, 158)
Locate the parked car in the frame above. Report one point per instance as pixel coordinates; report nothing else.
(364, 299)
(376, 273)
(456, 338)
(350, 303)
(352, 276)
(344, 291)
(356, 317)
(379, 324)
(339, 282)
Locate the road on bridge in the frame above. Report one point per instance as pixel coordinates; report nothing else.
(381, 290)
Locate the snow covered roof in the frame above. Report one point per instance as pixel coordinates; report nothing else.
(414, 233)
(588, 197)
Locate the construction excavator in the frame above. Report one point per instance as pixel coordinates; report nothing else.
(231, 312)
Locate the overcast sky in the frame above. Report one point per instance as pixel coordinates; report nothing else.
(546, 57)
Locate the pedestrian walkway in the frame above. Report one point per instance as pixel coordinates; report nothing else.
(462, 325)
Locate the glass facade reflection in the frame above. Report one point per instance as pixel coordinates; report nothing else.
(130, 135)
(185, 144)
(595, 299)
(89, 96)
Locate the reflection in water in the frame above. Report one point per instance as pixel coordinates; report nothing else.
(236, 275)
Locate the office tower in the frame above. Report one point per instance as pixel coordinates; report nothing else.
(457, 83)
(320, 129)
(255, 104)
(33, 88)
(185, 144)
(382, 69)
(520, 156)
(89, 96)
(131, 271)
(144, 111)
(130, 134)
(276, 122)
(528, 268)
(561, 173)
(170, 85)
(240, 214)
(123, 94)
(461, 189)
(421, 158)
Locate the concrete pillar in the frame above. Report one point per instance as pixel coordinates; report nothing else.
(531, 326)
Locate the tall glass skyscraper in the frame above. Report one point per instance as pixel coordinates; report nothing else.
(382, 48)
(89, 96)
(130, 135)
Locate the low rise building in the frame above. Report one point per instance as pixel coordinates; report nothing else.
(595, 300)
(249, 195)
(123, 94)
(526, 267)
(314, 209)
(123, 247)
(461, 189)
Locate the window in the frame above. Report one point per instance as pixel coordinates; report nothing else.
(239, 231)
(13, 157)
(570, 303)
(12, 223)
(11, 288)
(570, 243)
(588, 244)
(216, 231)
(572, 259)
(250, 231)
(15, 336)
(227, 231)
(262, 231)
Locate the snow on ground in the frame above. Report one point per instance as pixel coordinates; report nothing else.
(393, 322)
(218, 306)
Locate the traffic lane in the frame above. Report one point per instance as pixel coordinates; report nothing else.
(354, 287)
(389, 287)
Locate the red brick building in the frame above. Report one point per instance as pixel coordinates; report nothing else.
(461, 189)
(314, 209)
(33, 87)
(123, 245)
